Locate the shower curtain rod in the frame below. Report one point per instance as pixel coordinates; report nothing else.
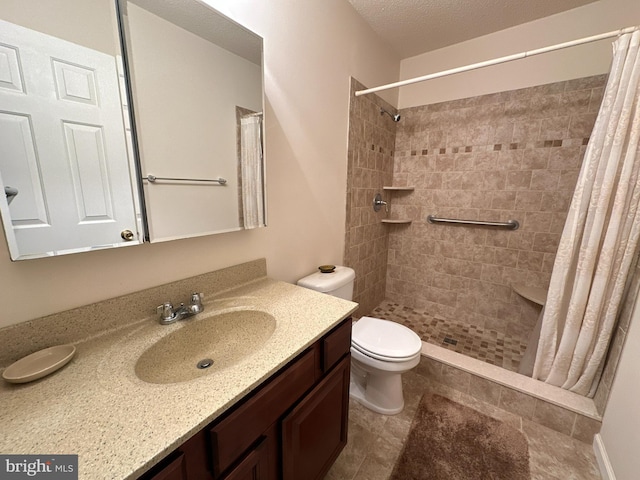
(496, 61)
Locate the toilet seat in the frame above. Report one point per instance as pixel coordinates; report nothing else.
(382, 358)
(385, 340)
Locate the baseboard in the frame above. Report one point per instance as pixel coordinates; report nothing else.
(606, 470)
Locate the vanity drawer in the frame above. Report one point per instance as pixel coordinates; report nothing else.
(232, 436)
(336, 344)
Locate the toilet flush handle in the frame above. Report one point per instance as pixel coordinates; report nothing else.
(378, 203)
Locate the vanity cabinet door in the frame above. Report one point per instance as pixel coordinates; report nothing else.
(315, 432)
(255, 466)
(174, 470)
(189, 462)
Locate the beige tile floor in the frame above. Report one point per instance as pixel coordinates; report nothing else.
(375, 441)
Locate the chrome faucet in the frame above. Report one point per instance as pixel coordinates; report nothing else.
(167, 315)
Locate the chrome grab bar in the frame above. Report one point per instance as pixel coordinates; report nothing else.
(510, 225)
(153, 179)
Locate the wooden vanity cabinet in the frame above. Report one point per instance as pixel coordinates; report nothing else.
(292, 427)
(315, 432)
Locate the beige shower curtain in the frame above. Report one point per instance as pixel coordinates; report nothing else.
(600, 237)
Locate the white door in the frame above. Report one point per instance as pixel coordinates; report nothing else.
(62, 145)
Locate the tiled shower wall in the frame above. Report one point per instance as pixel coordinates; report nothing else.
(370, 167)
(510, 155)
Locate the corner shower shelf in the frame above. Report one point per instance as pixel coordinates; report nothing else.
(535, 294)
(397, 221)
(399, 189)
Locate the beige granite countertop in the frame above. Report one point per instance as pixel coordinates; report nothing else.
(120, 426)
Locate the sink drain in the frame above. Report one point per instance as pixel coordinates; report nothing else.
(206, 363)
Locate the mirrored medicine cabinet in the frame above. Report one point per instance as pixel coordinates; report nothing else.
(126, 121)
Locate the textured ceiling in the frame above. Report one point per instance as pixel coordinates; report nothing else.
(412, 27)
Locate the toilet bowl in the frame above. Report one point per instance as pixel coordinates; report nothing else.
(381, 351)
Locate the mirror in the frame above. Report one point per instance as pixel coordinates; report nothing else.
(65, 164)
(197, 89)
(68, 143)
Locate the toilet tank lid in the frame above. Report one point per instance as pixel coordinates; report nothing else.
(327, 282)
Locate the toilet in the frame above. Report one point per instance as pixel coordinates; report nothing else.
(381, 351)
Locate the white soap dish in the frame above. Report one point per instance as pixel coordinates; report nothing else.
(39, 364)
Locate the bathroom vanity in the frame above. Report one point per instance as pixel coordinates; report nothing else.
(292, 427)
(279, 410)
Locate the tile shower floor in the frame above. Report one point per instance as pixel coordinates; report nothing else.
(375, 441)
(483, 344)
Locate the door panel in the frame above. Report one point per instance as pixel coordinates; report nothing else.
(10, 77)
(21, 165)
(85, 150)
(75, 83)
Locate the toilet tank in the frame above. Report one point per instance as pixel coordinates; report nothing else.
(338, 283)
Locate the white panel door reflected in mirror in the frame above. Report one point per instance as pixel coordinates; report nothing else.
(197, 83)
(68, 152)
(64, 161)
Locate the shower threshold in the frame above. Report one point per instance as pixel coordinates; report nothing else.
(521, 383)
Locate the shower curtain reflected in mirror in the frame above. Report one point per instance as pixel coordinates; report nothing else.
(600, 237)
(251, 171)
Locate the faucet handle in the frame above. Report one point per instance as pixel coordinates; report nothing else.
(165, 312)
(195, 305)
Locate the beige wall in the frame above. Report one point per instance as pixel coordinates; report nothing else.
(312, 48)
(576, 62)
(620, 431)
